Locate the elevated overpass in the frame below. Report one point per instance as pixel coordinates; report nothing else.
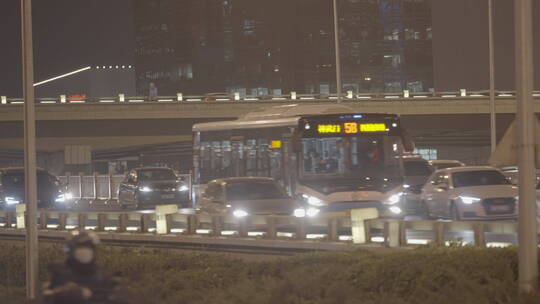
(123, 125)
(225, 106)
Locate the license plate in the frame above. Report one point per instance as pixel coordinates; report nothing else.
(167, 196)
(502, 208)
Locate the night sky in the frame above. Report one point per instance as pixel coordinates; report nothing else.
(68, 34)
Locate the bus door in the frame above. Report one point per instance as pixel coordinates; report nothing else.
(237, 147)
(289, 164)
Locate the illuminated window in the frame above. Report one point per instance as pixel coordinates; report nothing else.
(426, 153)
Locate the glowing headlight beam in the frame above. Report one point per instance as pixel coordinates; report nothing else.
(61, 76)
(469, 199)
(240, 213)
(146, 189)
(12, 201)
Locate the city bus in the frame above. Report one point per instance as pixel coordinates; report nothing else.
(328, 155)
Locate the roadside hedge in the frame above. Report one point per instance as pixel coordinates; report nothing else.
(425, 275)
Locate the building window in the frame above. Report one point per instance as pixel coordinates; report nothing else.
(392, 60)
(415, 86)
(392, 86)
(427, 153)
(324, 88)
(392, 36)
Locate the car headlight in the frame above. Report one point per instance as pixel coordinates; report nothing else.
(63, 197)
(300, 212)
(313, 200)
(469, 199)
(11, 200)
(145, 189)
(240, 213)
(394, 198)
(183, 188)
(303, 212)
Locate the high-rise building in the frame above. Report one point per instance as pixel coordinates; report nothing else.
(259, 47)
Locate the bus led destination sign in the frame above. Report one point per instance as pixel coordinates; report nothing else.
(351, 128)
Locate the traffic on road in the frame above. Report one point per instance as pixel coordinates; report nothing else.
(295, 160)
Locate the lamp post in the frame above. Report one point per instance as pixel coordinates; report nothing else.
(528, 250)
(492, 113)
(29, 151)
(338, 61)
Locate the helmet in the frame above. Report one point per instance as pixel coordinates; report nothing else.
(81, 239)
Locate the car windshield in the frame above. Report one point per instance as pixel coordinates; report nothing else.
(416, 168)
(243, 191)
(478, 178)
(156, 175)
(16, 179)
(349, 157)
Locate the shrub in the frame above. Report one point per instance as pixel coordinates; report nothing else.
(426, 275)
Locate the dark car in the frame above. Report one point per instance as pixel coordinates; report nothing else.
(147, 187)
(243, 196)
(51, 194)
(416, 172)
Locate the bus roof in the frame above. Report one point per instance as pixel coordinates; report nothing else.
(277, 116)
(294, 110)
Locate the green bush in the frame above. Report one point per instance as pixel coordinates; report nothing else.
(426, 275)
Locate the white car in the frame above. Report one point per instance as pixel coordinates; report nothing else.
(444, 164)
(469, 193)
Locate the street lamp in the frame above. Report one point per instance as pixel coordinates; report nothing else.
(492, 115)
(338, 62)
(29, 151)
(527, 233)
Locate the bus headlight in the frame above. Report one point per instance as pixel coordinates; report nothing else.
(312, 200)
(395, 209)
(183, 188)
(240, 213)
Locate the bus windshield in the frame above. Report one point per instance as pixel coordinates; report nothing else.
(373, 156)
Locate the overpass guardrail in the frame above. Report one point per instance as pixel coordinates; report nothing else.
(235, 97)
(354, 229)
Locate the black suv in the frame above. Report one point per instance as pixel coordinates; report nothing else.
(147, 187)
(51, 194)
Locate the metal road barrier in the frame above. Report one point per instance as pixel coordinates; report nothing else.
(101, 188)
(235, 97)
(344, 229)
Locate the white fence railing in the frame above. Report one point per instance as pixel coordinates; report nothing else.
(101, 187)
(235, 97)
(390, 233)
